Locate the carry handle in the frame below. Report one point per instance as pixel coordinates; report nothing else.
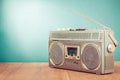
(113, 39)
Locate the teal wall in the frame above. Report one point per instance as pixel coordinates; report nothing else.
(25, 24)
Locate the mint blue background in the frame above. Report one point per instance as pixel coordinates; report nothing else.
(25, 24)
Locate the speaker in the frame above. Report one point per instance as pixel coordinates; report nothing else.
(56, 53)
(90, 56)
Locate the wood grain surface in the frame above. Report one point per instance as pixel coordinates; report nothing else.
(41, 71)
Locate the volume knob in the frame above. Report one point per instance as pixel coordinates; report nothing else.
(110, 48)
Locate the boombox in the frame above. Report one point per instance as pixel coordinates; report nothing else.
(83, 50)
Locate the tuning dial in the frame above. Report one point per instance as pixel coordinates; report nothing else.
(110, 48)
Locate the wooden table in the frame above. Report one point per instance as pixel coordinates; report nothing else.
(41, 71)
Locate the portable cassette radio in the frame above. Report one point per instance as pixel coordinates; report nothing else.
(83, 50)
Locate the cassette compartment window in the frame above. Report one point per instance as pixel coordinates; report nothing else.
(72, 52)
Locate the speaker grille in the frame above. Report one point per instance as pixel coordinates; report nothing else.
(65, 35)
(56, 53)
(90, 57)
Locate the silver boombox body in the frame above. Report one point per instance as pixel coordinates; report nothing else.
(82, 50)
